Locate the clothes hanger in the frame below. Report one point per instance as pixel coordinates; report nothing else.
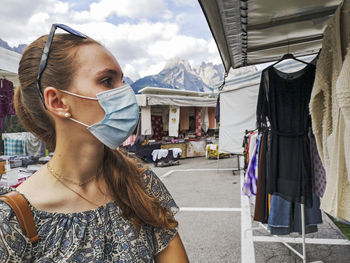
(289, 56)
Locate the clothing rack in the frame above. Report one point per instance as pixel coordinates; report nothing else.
(303, 240)
(285, 241)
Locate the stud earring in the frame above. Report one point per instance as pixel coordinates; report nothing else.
(67, 115)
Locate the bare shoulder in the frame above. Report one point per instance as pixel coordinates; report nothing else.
(38, 189)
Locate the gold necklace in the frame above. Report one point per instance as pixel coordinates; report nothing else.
(54, 174)
(49, 167)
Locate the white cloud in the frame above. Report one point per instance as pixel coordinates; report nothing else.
(179, 46)
(191, 3)
(152, 69)
(167, 15)
(126, 8)
(61, 8)
(141, 46)
(131, 72)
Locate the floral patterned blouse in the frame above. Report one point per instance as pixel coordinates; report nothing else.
(98, 235)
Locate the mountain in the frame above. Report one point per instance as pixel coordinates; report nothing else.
(178, 74)
(149, 81)
(127, 80)
(210, 74)
(19, 49)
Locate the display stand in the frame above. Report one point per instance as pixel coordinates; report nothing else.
(303, 255)
(303, 241)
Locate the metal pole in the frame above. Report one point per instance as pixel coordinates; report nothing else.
(217, 162)
(302, 207)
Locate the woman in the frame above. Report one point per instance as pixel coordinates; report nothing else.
(90, 203)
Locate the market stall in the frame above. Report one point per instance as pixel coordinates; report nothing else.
(176, 119)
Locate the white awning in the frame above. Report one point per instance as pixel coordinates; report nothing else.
(181, 101)
(9, 60)
(257, 31)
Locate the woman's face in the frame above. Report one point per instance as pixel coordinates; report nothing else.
(97, 71)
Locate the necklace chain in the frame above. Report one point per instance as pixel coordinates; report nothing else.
(59, 178)
(68, 179)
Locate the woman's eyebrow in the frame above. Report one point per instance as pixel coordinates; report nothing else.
(107, 71)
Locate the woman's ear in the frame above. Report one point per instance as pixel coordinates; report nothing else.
(55, 103)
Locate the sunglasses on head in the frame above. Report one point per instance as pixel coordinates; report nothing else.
(45, 55)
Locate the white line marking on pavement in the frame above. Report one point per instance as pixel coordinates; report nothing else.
(247, 244)
(209, 209)
(195, 170)
(319, 241)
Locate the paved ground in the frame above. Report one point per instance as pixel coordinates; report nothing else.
(213, 219)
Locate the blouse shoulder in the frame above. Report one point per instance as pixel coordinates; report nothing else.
(161, 236)
(14, 245)
(155, 187)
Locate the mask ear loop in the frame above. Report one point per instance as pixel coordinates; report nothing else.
(79, 96)
(79, 122)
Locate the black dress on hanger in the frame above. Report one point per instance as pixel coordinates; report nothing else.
(283, 105)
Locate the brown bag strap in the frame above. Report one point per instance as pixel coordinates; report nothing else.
(23, 213)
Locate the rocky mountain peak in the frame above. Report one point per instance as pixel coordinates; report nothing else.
(178, 62)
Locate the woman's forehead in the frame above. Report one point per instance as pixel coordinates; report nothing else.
(94, 58)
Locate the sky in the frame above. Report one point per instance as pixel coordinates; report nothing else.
(141, 34)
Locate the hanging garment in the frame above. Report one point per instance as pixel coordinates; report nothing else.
(159, 154)
(146, 124)
(198, 117)
(32, 145)
(205, 118)
(330, 110)
(217, 109)
(285, 217)
(14, 143)
(251, 176)
(174, 118)
(176, 152)
(318, 173)
(212, 122)
(283, 102)
(184, 119)
(245, 151)
(6, 99)
(130, 140)
(261, 212)
(157, 125)
(165, 118)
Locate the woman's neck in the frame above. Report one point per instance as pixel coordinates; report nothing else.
(79, 160)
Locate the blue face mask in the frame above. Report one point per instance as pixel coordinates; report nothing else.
(122, 115)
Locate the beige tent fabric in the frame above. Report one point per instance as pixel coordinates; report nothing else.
(330, 117)
(184, 119)
(256, 31)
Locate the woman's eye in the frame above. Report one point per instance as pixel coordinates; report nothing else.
(108, 82)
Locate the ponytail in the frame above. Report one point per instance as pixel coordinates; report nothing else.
(125, 181)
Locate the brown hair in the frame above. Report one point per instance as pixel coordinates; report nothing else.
(121, 173)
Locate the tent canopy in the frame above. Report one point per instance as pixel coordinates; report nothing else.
(257, 31)
(182, 98)
(181, 101)
(9, 62)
